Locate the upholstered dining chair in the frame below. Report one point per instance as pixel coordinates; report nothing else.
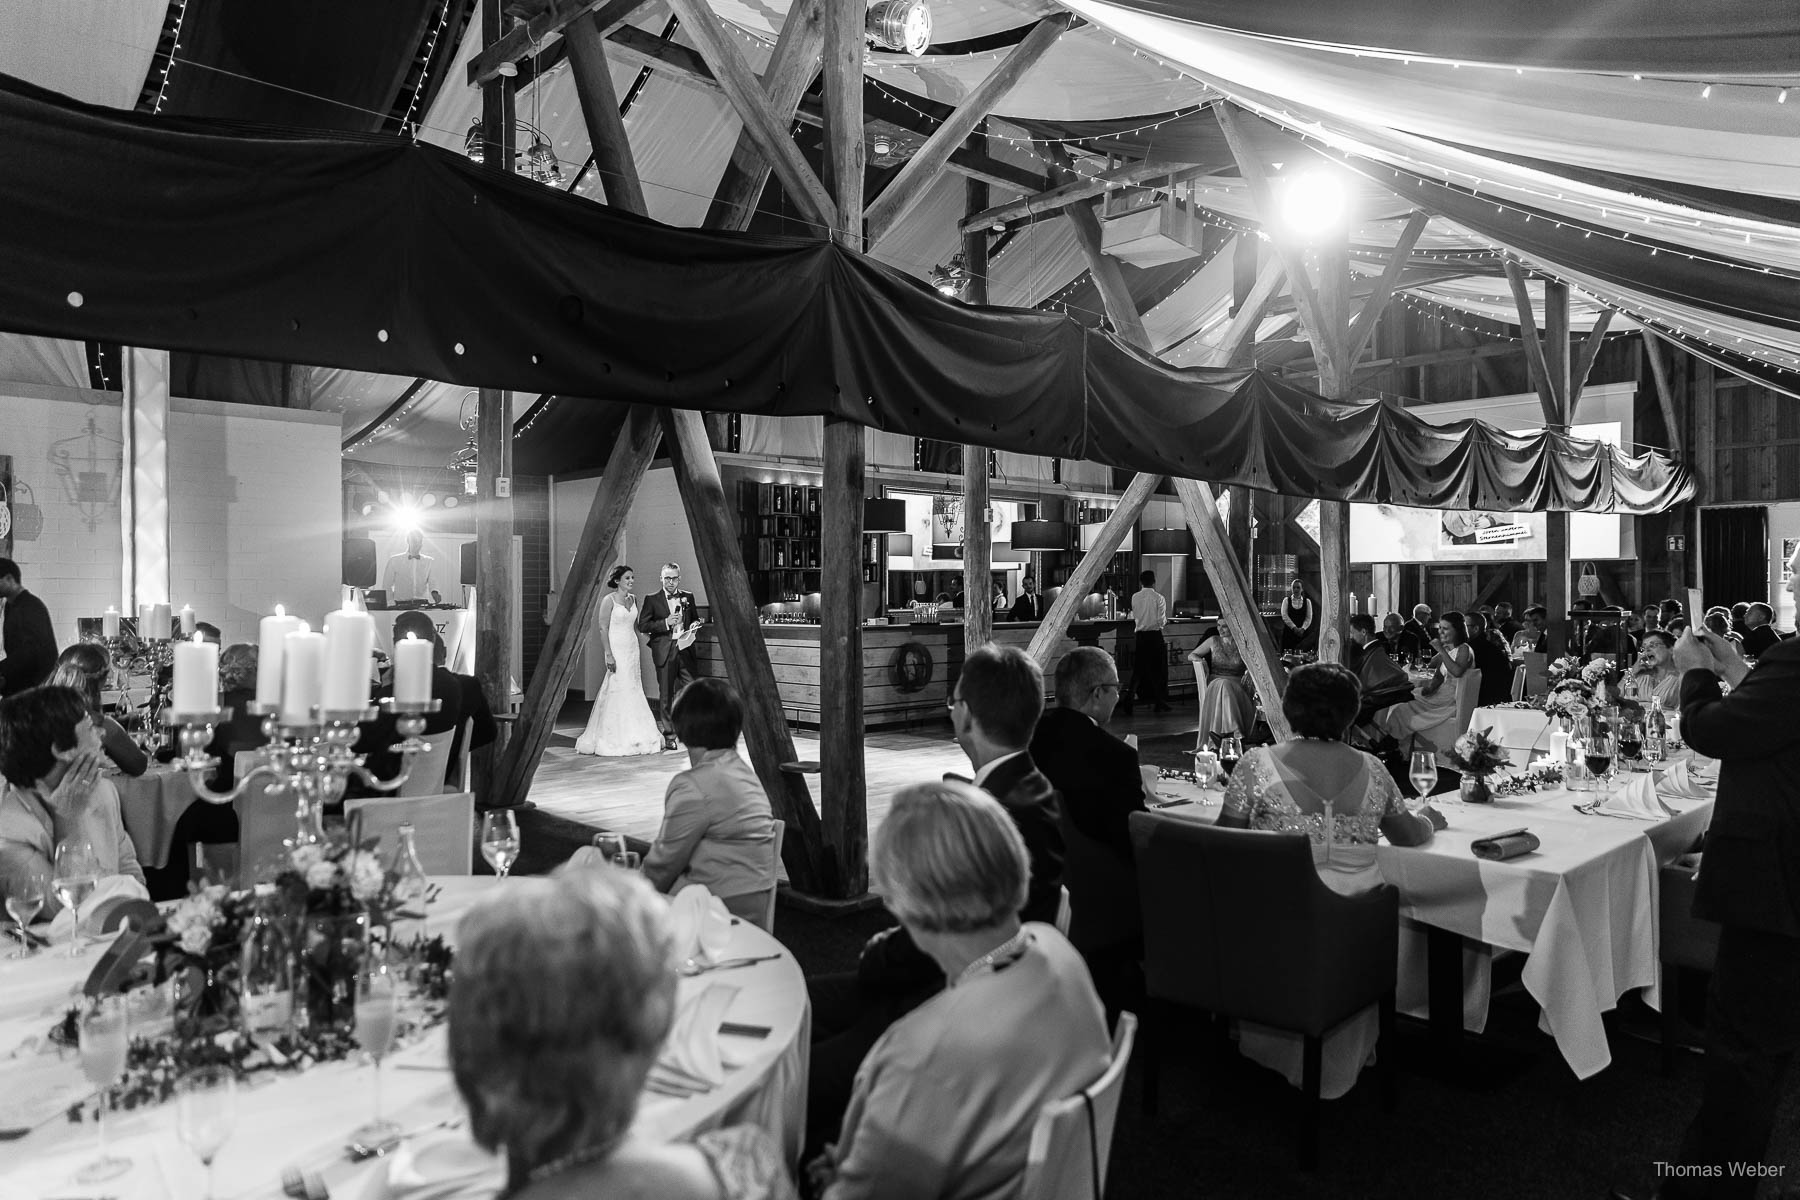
(265, 816)
(1683, 942)
(759, 906)
(1238, 924)
(1072, 1140)
(443, 827)
(428, 768)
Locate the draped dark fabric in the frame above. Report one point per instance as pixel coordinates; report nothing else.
(375, 255)
(1734, 37)
(1734, 555)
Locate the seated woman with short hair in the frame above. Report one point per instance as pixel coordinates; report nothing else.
(945, 1102)
(564, 992)
(85, 666)
(1343, 800)
(717, 827)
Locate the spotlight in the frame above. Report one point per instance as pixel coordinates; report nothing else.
(1313, 202)
(899, 25)
(883, 147)
(472, 143)
(952, 278)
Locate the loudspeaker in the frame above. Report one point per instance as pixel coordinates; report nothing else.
(359, 562)
(466, 563)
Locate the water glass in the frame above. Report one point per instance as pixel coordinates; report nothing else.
(206, 1113)
(104, 1038)
(25, 897)
(500, 840)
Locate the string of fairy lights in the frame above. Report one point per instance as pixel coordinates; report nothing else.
(418, 93)
(168, 68)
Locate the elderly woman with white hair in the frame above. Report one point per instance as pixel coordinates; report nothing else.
(564, 992)
(944, 1104)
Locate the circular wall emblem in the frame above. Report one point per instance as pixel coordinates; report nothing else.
(909, 670)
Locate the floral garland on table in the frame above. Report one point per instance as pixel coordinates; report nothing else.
(1537, 777)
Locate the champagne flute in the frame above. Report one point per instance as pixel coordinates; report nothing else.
(1231, 749)
(25, 895)
(1423, 772)
(77, 870)
(377, 1004)
(500, 840)
(205, 1113)
(103, 1042)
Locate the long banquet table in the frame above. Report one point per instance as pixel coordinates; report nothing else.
(303, 1119)
(1582, 908)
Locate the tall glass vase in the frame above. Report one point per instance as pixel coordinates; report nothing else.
(331, 946)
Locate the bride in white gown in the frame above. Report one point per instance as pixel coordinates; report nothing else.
(621, 723)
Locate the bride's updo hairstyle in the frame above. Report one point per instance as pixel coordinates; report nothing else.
(618, 573)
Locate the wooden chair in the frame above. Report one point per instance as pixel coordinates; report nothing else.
(1683, 941)
(1238, 924)
(1072, 1140)
(429, 768)
(443, 827)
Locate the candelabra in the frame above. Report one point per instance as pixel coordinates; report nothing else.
(312, 759)
(151, 657)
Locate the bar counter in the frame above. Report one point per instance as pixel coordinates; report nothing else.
(909, 670)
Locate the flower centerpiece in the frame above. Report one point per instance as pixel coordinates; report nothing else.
(199, 951)
(1477, 755)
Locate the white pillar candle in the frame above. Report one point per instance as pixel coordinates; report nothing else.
(271, 645)
(187, 620)
(346, 598)
(143, 629)
(161, 625)
(196, 676)
(349, 644)
(109, 622)
(412, 669)
(1371, 604)
(302, 662)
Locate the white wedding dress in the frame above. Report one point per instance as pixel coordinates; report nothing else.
(622, 723)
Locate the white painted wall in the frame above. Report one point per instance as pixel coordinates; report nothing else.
(255, 508)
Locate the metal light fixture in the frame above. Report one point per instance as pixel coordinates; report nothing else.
(899, 25)
(952, 278)
(1039, 535)
(539, 164)
(884, 516)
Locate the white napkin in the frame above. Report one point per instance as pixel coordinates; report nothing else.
(443, 1166)
(107, 887)
(1637, 799)
(1130, 739)
(701, 924)
(693, 1045)
(1680, 781)
(1151, 777)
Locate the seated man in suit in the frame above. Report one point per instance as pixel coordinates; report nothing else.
(1097, 777)
(1383, 682)
(994, 708)
(381, 733)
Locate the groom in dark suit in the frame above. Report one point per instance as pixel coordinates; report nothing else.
(664, 615)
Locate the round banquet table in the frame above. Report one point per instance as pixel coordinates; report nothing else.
(303, 1119)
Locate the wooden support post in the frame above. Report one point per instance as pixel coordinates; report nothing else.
(1334, 515)
(978, 530)
(1556, 532)
(600, 108)
(1081, 580)
(1364, 330)
(844, 153)
(766, 130)
(1050, 200)
(574, 616)
(791, 70)
(1584, 362)
(1665, 395)
(1261, 657)
(909, 186)
(843, 782)
(1548, 397)
(732, 609)
(528, 37)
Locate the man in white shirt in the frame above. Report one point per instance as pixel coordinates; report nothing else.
(408, 576)
(1150, 658)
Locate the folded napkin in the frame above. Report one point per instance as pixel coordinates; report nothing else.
(108, 891)
(693, 1045)
(442, 1166)
(1637, 799)
(1681, 782)
(701, 924)
(1511, 844)
(1151, 777)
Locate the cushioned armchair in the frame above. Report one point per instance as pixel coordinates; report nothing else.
(1237, 923)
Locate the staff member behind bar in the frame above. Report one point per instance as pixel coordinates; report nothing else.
(1150, 656)
(1030, 605)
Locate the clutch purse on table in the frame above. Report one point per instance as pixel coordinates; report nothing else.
(1498, 847)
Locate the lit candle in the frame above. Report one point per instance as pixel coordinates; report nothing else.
(187, 620)
(143, 629)
(1371, 604)
(346, 597)
(109, 622)
(160, 623)
(349, 644)
(271, 644)
(1559, 745)
(302, 659)
(196, 676)
(412, 669)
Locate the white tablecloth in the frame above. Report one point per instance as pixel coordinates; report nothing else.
(303, 1120)
(150, 805)
(1583, 907)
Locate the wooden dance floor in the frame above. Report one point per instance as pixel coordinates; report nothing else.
(625, 795)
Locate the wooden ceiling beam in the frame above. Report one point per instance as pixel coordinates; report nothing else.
(1363, 331)
(790, 73)
(1665, 393)
(1584, 358)
(845, 158)
(600, 110)
(1053, 199)
(1534, 349)
(527, 38)
(921, 171)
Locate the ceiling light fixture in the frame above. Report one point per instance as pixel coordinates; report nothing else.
(952, 278)
(899, 25)
(540, 162)
(883, 147)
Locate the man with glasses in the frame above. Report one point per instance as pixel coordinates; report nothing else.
(663, 615)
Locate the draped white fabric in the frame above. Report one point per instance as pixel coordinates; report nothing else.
(55, 361)
(98, 51)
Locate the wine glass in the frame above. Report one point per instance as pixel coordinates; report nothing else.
(25, 895)
(1599, 759)
(1631, 742)
(1231, 749)
(1423, 772)
(500, 840)
(1206, 768)
(77, 869)
(205, 1113)
(377, 1005)
(103, 1041)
